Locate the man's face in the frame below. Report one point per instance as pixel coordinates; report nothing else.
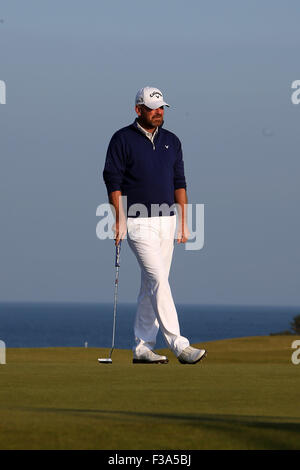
(150, 118)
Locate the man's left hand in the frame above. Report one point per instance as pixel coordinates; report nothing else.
(183, 234)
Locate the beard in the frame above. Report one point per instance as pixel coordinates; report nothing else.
(154, 121)
(157, 119)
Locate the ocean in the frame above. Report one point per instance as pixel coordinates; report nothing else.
(27, 325)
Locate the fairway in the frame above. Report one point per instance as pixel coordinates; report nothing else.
(244, 395)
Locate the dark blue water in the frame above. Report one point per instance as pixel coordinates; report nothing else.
(73, 324)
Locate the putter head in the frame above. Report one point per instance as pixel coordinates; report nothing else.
(105, 361)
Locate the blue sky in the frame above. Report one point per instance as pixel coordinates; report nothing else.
(72, 70)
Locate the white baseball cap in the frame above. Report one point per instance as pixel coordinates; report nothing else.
(151, 97)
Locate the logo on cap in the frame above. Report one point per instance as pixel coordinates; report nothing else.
(155, 93)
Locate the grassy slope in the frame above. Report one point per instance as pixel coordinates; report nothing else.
(245, 395)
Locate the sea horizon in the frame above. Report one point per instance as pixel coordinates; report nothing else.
(76, 324)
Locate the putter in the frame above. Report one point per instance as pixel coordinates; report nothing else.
(108, 360)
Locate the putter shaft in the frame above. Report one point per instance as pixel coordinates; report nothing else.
(117, 265)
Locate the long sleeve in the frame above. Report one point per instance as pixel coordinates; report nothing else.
(179, 177)
(114, 165)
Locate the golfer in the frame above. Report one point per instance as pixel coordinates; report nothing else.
(144, 177)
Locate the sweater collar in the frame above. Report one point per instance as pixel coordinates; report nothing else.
(143, 131)
(149, 135)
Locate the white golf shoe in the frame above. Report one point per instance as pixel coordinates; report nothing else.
(149, 357)
(191, 355)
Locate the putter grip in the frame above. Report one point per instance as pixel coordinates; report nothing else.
(118, 248)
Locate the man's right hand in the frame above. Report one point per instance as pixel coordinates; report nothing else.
(120, 229)
(120, 225)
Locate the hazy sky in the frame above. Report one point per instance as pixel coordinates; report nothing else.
(72, 70)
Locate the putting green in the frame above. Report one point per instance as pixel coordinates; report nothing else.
(244, 395)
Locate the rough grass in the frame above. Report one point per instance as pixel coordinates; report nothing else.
(244, 395)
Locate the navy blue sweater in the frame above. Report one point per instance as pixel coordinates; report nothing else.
(145, 173)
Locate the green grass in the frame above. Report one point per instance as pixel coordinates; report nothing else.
(244, 395)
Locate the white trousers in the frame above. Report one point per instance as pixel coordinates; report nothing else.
(152, 241)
